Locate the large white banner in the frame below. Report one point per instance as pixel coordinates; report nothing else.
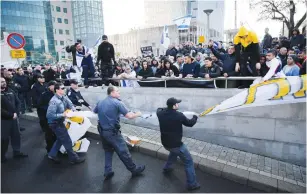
(291, 89)
(77, 125)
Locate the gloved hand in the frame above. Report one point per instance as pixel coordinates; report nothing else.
(195, 116)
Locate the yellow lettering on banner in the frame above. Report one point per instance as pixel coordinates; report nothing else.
(302, 92)
(283, 88)
(207, 111)
(77, 145)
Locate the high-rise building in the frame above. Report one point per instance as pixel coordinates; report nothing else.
(33, 20)
(164, 12)
(88, 21)
(62, 27)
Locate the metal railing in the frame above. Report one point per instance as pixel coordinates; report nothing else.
(165, 79)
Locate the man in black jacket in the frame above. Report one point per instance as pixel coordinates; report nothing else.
(75, 96)
(49, 73)
(42, 107)
(106, 54)
(25, 100)
(9, 122)
(171, 121)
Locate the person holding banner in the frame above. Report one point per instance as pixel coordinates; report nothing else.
(171, 121)
(56, 115)
(109, 111)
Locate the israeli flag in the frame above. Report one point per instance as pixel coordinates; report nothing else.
(98, 41)
(165, 41)
(183, 22)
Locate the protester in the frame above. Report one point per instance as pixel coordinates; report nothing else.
(190, 68)
(170, 122)
(209, 70)
(75, 96)
(23, 80)
(291, 69)
(145, 72)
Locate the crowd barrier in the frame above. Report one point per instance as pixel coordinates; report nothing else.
(178, 82)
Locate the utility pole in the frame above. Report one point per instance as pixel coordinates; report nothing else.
(208, 12)
(235, 14)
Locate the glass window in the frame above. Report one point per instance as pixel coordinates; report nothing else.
(55, 42)
(66, 21)
(67, 32)
(61, 42)
(53, 19)
(58, 9)
(63, 54)
(54, 31)
(65, 10)
(59, 20)
(60, 31)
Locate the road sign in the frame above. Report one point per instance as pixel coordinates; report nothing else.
(16, 41)
(17, 54)
(201, 39)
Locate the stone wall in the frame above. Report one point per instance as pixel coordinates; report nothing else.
(274, 131)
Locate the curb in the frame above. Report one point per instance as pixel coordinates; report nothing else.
(246, 176)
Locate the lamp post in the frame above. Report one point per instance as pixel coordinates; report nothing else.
(208, 12)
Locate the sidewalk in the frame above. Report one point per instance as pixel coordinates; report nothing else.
(257, 171)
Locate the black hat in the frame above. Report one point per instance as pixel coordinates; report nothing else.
(172, 101)
(51, 83)
(74, 82)
(78, 40)
(40, 76)
(104, 37)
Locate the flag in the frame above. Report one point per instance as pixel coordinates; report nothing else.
(183, 22)
(165, 41)
(291, 89)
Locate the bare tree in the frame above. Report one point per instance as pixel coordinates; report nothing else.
(280, 10)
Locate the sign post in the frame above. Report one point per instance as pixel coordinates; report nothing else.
(16, 41)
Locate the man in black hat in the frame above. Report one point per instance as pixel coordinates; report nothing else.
(42, 107)
(106, 54)
(75, 96)
(171, 121)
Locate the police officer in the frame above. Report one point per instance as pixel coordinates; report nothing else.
(42, 107)
(56, 115)
(37, 90)
(109, 111)
(75, 96)
(106, 54)
(171, 122)
(9, 122)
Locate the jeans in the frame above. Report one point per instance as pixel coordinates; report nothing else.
(107, 71)
(85, 74)
(25, 101)
(63, 138)
(187, 160)
(114, 141)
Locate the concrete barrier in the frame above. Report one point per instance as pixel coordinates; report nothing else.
(274, 131)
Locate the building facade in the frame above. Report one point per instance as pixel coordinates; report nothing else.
(129, 44)
(62, 27)
(88, 21)
(33, 20)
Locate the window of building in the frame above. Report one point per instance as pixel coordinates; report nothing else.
(66, 21)
(55, 42)
(65, 10)
(67, 32)
(52, 7)
(63, 54)
(62, 43)
(60, 31)
(54, 31)
(59, 20)
(58, 9)
(53, 19)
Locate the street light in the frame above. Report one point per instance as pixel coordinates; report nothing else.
(208, 12)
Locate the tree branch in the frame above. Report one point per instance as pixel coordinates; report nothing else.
(299, 23)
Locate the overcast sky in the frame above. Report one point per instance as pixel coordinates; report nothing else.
(133, 16)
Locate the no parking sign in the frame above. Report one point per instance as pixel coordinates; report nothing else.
(16, 41)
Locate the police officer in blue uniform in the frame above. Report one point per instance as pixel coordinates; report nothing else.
(75, 96)
(109, 111)
(56, 115)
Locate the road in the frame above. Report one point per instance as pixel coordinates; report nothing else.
(37, 174)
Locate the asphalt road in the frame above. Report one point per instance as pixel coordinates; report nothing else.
(38, 174)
